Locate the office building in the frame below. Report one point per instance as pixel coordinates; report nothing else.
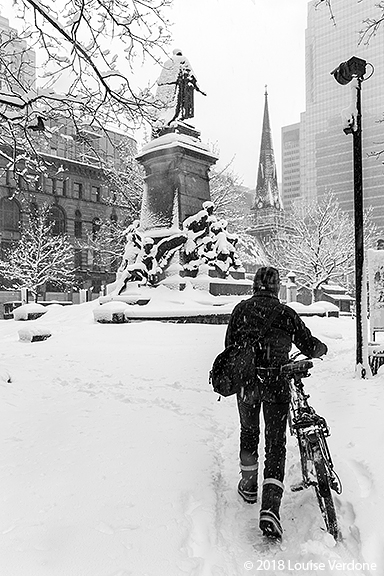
(326, 160)
(290, 165)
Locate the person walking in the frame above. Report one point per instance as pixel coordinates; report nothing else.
(281, 327)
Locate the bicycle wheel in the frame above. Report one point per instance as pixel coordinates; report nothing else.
(323, 492)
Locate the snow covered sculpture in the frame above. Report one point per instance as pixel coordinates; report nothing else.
(207, 251)
(176, 86)
(147, 256)
(209, 242)
(133, 246)
(196, 228)
(150, 261)
(223, 249)
(209, 207)
(233, 240)
(203, 242)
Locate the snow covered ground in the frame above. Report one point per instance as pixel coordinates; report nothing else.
(118, 460)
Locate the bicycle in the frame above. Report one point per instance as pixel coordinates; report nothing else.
(311, 431)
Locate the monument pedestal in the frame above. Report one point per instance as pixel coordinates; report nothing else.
(235, 284)
(176, 179)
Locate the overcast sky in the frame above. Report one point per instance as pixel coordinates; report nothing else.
(235, 49)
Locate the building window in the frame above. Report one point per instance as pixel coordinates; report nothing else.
(78, 224)
(114, 218)
(78, 259)
(96, 193)
(96, 225)
(65, 187)
(51, 185)
(9, 178)
(38, 186)
(22, 183)
(11, 215)
(57, 216)
(81, 259)
(78, 190)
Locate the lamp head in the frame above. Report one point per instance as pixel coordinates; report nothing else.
(354, 67)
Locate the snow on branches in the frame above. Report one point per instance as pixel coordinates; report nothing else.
(39, 256)
(317, 243)
(86, 54)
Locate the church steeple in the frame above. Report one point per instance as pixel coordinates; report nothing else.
(267, 192)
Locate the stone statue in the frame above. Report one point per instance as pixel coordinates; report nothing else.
(176, 86)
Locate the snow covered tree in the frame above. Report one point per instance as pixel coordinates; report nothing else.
(127, 183)
(233, 203)
(39, 256)
(317, 243)
(107, 244)
(228, 194)
(87, 50)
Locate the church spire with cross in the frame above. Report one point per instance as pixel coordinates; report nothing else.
(267, 205)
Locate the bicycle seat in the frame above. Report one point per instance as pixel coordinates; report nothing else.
(297, 366)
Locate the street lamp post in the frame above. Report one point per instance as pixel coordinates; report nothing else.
(353, 71)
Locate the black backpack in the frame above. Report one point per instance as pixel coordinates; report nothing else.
(234, 368)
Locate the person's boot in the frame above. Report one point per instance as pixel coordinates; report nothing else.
(270, 508)
(247, 487)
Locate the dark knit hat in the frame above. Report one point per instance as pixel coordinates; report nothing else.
(267, 279)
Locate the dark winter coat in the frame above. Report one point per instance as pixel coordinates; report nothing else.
(287, 328)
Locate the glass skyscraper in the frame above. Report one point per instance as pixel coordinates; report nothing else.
(325, 151)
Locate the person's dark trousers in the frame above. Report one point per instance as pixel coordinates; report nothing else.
(275, 420)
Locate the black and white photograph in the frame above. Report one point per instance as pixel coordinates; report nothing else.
(191, 287)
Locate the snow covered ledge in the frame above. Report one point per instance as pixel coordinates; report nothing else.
(34, 335)
(29, 311)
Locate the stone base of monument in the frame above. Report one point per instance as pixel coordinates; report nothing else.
(193, 304)
(233, 284)
(207, 296)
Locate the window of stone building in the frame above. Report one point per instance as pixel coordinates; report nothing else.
(22, 183)
(10, 215)
(78, 224)
(8, 178)
(38, 184)
(78, 190)
(51, 185)
(57, 216)
(114, 217)
(4, 249)
(95, 193)
(64, 187)
(96, 225)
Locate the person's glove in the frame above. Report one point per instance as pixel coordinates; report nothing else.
(320, 349)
